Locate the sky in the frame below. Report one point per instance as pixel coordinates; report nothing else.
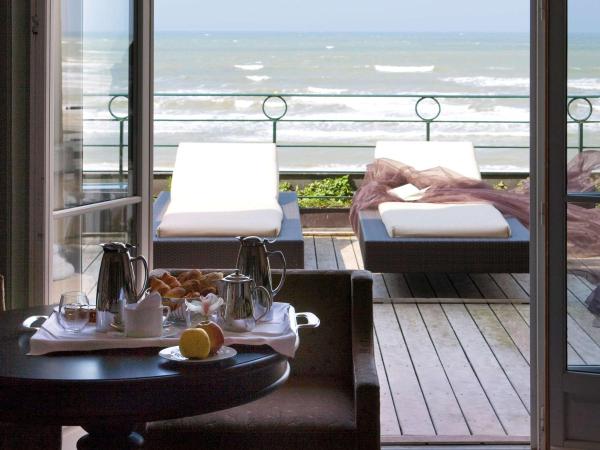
(336, 15)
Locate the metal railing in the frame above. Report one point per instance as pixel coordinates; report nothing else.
(579, 113)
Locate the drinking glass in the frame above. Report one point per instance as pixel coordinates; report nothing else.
(73, 311)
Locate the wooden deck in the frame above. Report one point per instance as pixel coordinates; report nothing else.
(453, 349)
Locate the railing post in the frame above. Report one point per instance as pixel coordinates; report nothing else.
(580, 120)
(121, 120)
(121, 133)
(274, 118)
(428, 120)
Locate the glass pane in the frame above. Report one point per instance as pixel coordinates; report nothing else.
(91, 150)
(76, 254)
(583, 286)
(583, 164)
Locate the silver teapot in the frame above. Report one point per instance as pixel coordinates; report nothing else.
(117, 283)
(240, 294)
(253, 260)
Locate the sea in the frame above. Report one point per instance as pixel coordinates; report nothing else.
(343, 92)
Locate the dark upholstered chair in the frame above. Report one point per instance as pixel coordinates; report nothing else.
(331, 400)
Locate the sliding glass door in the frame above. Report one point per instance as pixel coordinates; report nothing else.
(99, 123)
(572, 224)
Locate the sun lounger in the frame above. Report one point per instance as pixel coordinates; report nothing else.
(220, 191)
(428, 237)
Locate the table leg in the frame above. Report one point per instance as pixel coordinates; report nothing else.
(110, 436)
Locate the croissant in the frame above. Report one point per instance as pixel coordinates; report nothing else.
(189, 275)
(192, 285)
(176, 292)
(208, 290)
(157, 285)
(214, 276)
(170, 280)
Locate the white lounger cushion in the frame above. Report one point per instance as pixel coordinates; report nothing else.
(463, 220)
(422, 155)
(223, 189)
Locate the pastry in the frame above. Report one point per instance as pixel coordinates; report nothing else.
(176, 292)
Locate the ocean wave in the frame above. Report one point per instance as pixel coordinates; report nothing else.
(318, 90)
(585, 84)
(404, 69)
(251, 67)
(483, 81)
(329, 47)
(258, 78)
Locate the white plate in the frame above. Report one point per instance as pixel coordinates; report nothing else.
(173, 354)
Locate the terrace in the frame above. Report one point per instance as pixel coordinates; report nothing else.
(452, 349)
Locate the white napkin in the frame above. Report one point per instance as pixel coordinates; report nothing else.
(281, 334)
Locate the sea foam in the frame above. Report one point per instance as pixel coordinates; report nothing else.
(404, 69)
(484, 81)
(258, 78)
(249, 66)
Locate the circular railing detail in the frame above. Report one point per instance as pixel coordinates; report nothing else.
(422, 115)
(579, 102)
(270, 100)
(110, 107)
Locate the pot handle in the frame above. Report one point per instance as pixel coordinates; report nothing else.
(280, 285)
(268, 294)
(145, 264)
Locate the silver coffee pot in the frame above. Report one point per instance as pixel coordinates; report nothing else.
(253, 260)
(240, 294)
(117, 283)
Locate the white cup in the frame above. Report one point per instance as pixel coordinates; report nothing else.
(144, 322)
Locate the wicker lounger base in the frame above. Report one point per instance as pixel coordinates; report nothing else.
(381, 253)
(221, 253)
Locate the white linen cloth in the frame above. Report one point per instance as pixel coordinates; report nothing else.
(280, 333)
(466, 220)
(224, 189)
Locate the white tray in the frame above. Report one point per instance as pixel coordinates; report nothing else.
(281, 334)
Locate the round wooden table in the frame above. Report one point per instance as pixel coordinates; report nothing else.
(109, 392)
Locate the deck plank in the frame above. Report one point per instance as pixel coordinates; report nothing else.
(344, 253)
(487, 286)
(524, 281)
(441, 285)
(464, 285)
(504, 399)
(387, 416)
(380, 292)
(516, 327)
(509, 285)
(310, 257)
(477, 410)
(325, 253)
(508, 355)
(411, 408)
(443, 407)
(583, 344)
(397, 285)
(419, 285)
(357, 252)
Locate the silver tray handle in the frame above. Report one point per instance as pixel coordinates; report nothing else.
(312, 321)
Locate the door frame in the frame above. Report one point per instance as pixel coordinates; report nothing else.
(41, 213)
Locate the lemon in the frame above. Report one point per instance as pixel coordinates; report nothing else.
(194, 343)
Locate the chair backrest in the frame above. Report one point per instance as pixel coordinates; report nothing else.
(223, 173)
(326, 350)
(422, 155)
